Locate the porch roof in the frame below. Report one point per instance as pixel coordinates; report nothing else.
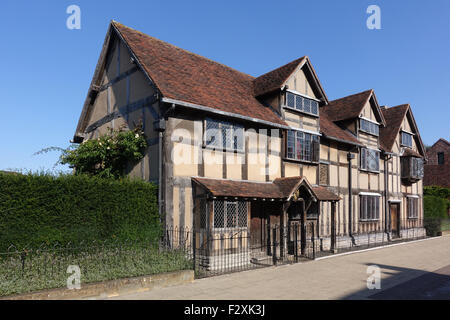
(325, 194)
(280, 188)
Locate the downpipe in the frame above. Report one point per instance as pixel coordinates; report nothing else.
(160, 127)
(350, 157)
(387, 216)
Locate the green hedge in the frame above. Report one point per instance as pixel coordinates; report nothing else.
(36, 209)
(435, 209)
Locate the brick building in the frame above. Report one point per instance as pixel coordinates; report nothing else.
(437, 169)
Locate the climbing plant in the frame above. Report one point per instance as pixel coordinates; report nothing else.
(107, 156)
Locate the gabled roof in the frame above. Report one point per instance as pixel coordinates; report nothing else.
(332, 131)
(441, 140)
(276, 79)
(351, 106)
(394, 117)
(188, 77)
(183, 76)
(280, 188)
(325, 193)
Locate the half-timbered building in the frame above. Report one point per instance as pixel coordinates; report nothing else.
(235, 153)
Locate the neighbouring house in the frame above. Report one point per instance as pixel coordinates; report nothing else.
(236, 153)
(437, 169)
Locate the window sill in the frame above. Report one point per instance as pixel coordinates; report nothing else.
(301, 112)
(301, 161)
(412, 218)
(222, 149)
(369, 171)
(369, 220)
(369, 133)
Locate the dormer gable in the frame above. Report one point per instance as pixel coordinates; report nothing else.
(360, 105)
(401, 134)
(297, 76)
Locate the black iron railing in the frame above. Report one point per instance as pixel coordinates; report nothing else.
(207, 252)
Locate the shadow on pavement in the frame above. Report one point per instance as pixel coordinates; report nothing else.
(424, 285)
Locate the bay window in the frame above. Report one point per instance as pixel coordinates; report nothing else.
(412, 168)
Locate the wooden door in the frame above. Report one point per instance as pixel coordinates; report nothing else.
(257, 226)
(394, 208)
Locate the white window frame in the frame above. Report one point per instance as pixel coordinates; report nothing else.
(415, 200)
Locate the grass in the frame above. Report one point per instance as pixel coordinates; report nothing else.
(47, 268)
(445, 226)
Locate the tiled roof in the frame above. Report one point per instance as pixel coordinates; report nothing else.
(329, 129)
(188, 77)
(441, 140)
(242, 189)
(280, 188)
(394, 117)
(274, 79)
(348, 107)
(325, 194)
(407, 152)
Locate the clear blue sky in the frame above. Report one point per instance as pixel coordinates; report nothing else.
(46, 68)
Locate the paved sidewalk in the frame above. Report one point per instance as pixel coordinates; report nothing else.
(340, 277)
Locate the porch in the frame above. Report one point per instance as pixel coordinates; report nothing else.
(243, 224)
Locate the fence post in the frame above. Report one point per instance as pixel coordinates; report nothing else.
(333, 227)
(281, 241)
(194, 245)
(296, 242)
(274, 241)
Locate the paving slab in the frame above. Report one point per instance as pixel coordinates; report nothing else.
(339, 277)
